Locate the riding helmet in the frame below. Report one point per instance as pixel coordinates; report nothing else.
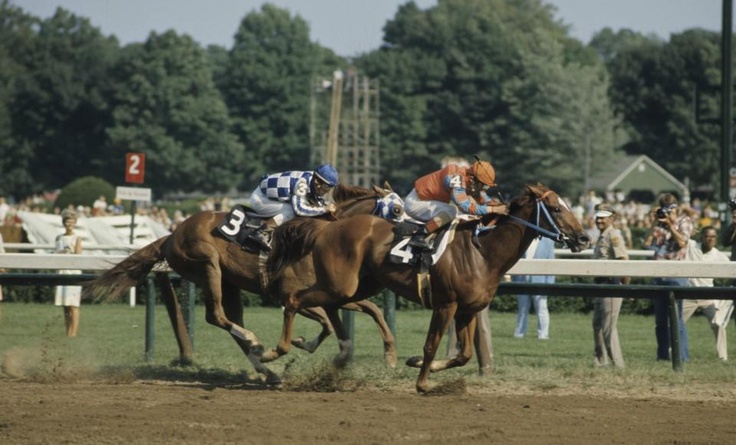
(327, 173)
(483, 171)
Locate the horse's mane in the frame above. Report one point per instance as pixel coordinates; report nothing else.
(291, 241)
(530, 194)
(345, 192)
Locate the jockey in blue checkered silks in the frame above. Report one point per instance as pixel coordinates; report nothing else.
(282, 196)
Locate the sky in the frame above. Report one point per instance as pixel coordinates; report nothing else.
(352, 27)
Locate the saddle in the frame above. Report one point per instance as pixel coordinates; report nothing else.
(241, 226)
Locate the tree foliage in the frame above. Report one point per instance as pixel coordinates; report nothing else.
(166, 105)
(653, 84)
(500, 79)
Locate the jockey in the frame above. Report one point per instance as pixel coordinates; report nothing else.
(439, 197)
(282, 196)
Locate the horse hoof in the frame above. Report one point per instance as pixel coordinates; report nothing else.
(182, 361)
(390, 359)
(299, 342)
(269, 356)
(273, 380)
(415, 362)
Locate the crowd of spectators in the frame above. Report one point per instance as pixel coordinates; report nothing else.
(631, 214)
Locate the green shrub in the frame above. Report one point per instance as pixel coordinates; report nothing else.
(84, 191)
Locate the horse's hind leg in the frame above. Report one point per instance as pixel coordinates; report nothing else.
(252, 348)
(389, 343)
(317, 314)
(168, 295)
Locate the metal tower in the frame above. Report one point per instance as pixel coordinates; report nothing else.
(344, 126)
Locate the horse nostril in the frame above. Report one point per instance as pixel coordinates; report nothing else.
(584, 239)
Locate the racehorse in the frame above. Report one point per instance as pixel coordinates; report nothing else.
(350, 258)
(199, 253)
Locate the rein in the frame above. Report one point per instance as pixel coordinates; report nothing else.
(557, 235)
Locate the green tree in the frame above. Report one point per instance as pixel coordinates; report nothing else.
(58, 106)
(496, 78)
(271, 67)
(652, 88)
(166, 105)
(16, 34)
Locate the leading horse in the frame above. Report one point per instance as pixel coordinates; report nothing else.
(350, 260)
(200, 254)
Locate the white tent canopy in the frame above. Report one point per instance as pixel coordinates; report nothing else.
(42, 229)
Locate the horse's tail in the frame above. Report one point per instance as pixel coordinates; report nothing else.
(291, 242)
(113, 283)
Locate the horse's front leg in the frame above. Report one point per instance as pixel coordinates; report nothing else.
(247, 341)
(441, 318)
(287, 328)
(389, 342)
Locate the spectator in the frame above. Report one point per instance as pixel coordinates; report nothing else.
(4, 210)
(610, 246)
(668, 237)
(117, 207)
(99, 207)
(622, 224)
(540, 248)
(728, 237)
(69, 297)
(706, 251)
(2, 250)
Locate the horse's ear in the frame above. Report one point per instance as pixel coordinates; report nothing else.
(387, 186)
(379, 191)
(535, 191)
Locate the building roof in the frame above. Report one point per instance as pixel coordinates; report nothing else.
(638, 172)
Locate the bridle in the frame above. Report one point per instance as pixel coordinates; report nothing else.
(556, 234)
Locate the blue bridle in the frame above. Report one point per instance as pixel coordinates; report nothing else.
(557, 235)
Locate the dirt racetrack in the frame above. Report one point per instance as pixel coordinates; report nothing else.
(136, 411)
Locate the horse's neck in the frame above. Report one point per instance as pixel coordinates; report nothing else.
(357, 206)
(509, 240)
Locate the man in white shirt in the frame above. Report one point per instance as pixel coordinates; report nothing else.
(717, 311)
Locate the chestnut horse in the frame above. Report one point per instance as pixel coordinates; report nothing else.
(350, 261)
(200, 254)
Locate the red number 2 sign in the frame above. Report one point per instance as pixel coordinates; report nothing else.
(135, 167)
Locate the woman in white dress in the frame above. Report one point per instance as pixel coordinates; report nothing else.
(69, 297)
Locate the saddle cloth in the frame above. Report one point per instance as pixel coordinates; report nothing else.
(237, 226)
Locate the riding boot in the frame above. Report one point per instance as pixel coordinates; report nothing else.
(419, 239)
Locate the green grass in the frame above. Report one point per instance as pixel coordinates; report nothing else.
(111, 337)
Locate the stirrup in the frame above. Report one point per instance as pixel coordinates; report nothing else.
(263, 239)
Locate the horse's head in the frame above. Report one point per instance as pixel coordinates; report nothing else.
(554, 217)
(389, 204)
